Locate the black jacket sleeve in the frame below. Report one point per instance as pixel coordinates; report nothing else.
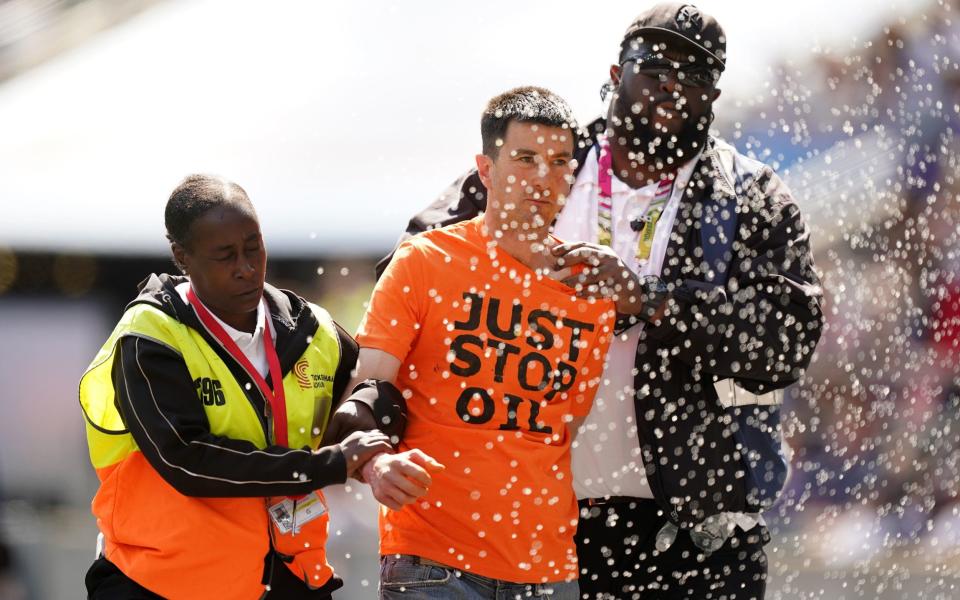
(762, 329)
(160, 407)
(387, 407)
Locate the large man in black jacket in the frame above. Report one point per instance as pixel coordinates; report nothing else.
(708, 260)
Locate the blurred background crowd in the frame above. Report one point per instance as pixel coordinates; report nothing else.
(341, 121)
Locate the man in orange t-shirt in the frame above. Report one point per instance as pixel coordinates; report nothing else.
(498, 361)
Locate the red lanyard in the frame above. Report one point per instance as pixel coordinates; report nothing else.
(276, 397)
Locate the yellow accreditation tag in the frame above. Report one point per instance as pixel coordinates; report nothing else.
(645, 241)
(605, 223)
(604, 238)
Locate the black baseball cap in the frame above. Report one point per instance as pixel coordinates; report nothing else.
(683, 21)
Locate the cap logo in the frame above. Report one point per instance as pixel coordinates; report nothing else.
(688, 17)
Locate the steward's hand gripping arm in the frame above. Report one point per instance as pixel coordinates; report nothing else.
(373, 404)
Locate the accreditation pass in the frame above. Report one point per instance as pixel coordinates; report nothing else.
(290, 515)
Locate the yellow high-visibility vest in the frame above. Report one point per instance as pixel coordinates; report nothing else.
(201, 547)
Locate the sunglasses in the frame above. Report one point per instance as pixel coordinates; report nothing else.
(658, 67)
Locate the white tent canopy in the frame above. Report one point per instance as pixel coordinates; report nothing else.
(340, 119)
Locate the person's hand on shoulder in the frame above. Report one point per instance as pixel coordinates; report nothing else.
(597, 271)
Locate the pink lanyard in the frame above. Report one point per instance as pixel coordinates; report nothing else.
(605, 171)
(605, 203)
(276, 397)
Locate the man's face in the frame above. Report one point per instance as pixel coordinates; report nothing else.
(663, 90)
(530, 178)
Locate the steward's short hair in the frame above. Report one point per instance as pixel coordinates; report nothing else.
(527, 104)
(196, 195)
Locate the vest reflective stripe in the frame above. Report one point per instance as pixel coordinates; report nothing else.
(187, 547)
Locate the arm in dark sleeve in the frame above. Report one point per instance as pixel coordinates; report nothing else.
(384, 407)
(387, 407)
(160, 407)
(762, 329)
(464, 199)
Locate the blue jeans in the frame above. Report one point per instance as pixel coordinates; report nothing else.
(407, 577)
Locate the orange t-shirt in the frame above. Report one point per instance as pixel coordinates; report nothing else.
(495, 360)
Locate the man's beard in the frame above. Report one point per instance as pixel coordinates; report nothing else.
(664, 150)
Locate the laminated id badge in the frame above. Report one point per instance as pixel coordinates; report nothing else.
(290, 515)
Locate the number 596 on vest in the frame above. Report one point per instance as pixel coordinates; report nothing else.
(210, 391)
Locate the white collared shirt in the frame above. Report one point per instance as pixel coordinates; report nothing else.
(251, 344)
(606, 457)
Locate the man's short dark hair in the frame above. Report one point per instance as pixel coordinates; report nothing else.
(527, 104)
(196, 195)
